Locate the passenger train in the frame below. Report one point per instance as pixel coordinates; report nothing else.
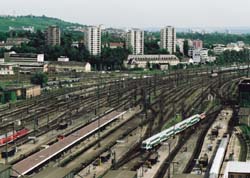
(174, 130)
(11, 136)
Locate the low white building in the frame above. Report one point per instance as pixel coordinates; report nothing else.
(141, 61)
(63, 59)
(200, 55)
(235, 169)
(219, 49)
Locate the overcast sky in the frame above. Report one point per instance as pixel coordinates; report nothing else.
(137, 13)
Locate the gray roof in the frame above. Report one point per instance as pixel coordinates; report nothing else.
(121, 173)
(238, 167)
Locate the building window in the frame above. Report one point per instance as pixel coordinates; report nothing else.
(232, 176)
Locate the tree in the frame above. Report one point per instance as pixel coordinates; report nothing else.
(39, 79)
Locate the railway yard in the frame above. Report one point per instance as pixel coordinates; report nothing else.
(155, 126)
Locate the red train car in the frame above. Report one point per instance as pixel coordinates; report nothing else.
(11, 136)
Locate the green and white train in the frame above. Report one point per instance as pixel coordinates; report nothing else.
(174, 130)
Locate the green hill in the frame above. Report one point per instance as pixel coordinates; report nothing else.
(38, 22)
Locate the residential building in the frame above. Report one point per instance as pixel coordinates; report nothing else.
(17, 41)
(200, 55)
(197, 44)
(114, 45)
(53, 35)
(219, 49)
(5, 46)
(135, 41)
(240, 44)
(168, 39)
(180, 44)
(23, 28)
(142, 61)
(92, 40)
(235, 169)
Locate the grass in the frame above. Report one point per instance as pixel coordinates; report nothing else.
(38, 22)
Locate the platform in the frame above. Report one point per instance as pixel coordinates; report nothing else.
(30, 163)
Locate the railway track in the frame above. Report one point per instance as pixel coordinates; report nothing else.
(144, 156)
(117, 93)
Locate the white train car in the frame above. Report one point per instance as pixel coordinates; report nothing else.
(218, 159)
(166, 134)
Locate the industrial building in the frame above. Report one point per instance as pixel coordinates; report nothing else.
(244, 92)
(235, 169)
(11, 93)
(135, 41)
(61, 67)
(161, 61)
(25, 62)
(17, 58)
(244, 101)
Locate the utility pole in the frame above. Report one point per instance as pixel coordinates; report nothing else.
(248, 68)
(98, 107)
(6, 147)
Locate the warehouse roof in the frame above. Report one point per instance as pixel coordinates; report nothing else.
(121, 173)
(237, 167)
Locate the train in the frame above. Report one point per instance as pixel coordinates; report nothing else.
(219, 158)
(157, 139)
(11, 136)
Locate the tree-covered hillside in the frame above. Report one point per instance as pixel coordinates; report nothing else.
(38, 22)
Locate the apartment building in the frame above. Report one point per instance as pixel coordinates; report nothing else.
(135, 41)
(168, 39)
(92, 40)
(53, 35)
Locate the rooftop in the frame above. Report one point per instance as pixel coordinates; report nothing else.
(238, 167)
